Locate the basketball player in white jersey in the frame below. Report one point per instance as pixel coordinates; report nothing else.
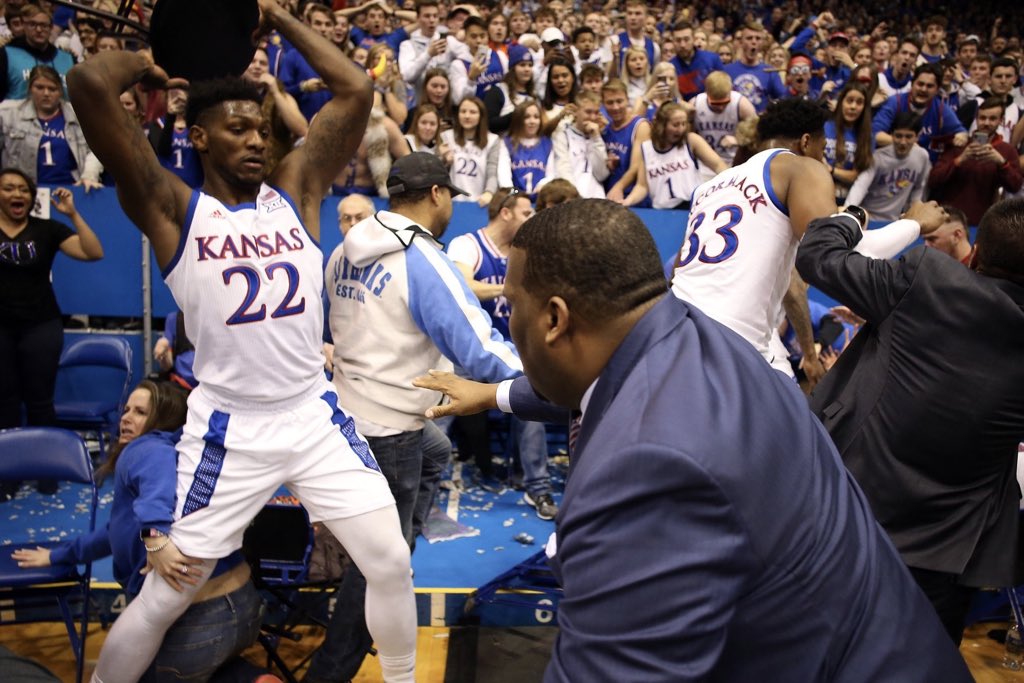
(736, 262)
(242, 262)
(717, 112)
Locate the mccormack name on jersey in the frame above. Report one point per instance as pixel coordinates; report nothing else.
(753, 192)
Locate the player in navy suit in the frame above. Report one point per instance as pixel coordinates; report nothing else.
(709, 530)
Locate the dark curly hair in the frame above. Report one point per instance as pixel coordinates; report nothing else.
(205, 95)
(11, 170)
(791, 119)
(906, 120)
(595, 254)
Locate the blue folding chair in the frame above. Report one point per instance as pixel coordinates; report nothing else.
(93, 380)
(58, 454)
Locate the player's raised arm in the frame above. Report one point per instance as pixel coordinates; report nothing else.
(154, 199)
(336, 130)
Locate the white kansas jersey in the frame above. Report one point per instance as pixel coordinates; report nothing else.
(713, 126)
(249, 279)
(738, 252)
(672, 176)
(469, 165)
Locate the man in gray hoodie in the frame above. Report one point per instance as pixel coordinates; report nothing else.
(898, 175)
(398, 305)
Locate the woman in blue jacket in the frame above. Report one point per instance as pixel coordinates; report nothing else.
(225, 616)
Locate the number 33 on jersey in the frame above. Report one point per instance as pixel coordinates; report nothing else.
(737, 255)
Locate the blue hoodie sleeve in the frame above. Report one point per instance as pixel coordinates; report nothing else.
(85, 548)
(289, 75)
(882, 121)
(171, 327)
(801, 40)
(776, 88)
(950, 123)
(152, 471)
(443, 307)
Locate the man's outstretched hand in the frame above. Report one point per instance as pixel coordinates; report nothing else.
(466, 397)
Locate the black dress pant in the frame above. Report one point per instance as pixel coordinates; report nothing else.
(29, 354)
(951, 600)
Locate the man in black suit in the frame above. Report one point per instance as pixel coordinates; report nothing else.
(926, 406)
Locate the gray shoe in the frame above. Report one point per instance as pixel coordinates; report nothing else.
(544, 504)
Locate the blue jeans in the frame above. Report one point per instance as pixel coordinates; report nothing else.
(347, 640)
(531, 441)
(400, 458)
(437, 450)
(207, 635)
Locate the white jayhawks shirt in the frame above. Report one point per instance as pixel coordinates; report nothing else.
(738, 253)
(249, 279)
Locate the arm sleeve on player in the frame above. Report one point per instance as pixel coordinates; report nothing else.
(889, 240)
(860, 186)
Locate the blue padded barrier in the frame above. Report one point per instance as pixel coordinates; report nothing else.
(112, 287)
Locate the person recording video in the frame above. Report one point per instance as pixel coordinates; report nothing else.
(970, 178)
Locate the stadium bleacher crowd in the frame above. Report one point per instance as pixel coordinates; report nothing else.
(528, 65)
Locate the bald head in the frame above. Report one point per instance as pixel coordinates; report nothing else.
(353, 209)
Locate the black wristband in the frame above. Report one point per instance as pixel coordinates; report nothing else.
(860, 214)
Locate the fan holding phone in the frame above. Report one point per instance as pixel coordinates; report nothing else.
(970, 178)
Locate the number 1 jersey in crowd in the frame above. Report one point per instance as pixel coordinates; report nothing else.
(249, 279)
(738, 252)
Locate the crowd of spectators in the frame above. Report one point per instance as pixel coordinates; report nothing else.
(519, 93)
(634, 101)
(529, 104)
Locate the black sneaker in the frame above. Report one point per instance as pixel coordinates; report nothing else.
(544, 504)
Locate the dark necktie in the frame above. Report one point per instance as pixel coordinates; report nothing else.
(575, 425)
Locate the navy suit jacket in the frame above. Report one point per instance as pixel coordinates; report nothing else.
(709, 531)
(926, 406)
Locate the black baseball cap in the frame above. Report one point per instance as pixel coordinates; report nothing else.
(419, 171)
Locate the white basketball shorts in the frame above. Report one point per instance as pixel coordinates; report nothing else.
(231, 463)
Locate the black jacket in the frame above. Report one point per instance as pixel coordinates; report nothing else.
(926, 406)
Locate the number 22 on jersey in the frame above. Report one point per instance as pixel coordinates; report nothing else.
(724, 219)
(286, 307)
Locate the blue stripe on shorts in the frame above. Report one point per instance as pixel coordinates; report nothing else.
(348, 430)
(204, 480)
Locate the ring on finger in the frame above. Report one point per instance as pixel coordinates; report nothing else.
(184, 569)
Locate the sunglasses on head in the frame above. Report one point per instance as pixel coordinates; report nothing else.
(512, 194)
